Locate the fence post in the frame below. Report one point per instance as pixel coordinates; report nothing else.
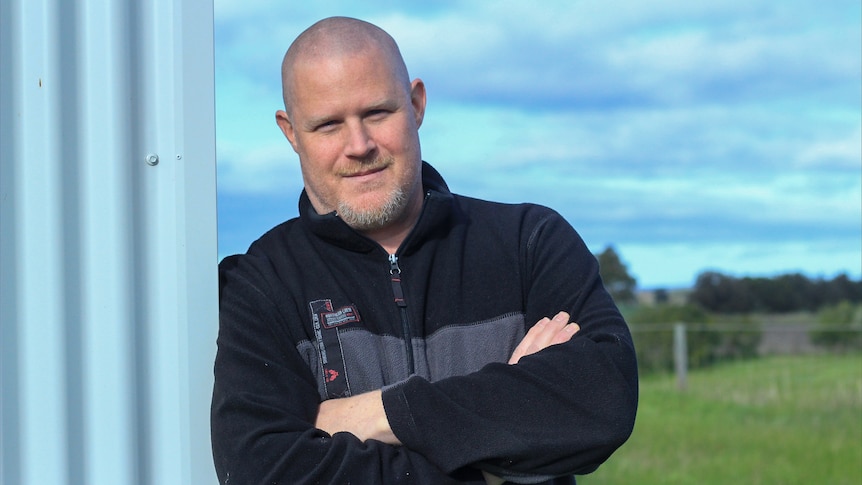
(680, 356)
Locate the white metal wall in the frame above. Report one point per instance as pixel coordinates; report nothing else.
(108, 285)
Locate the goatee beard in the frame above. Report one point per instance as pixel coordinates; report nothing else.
(376, 218)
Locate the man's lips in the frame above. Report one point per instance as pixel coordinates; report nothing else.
(364, 172)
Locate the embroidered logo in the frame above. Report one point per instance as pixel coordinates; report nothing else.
(340, 317)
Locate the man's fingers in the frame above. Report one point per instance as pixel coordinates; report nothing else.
(565, 334)
(526, 344)
(550, 331)
(538, 334)
(546, 332)
(492, 479)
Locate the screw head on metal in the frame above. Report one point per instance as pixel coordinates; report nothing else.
(152, 159)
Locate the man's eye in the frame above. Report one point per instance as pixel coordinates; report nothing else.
(377, 114)
(326, 126)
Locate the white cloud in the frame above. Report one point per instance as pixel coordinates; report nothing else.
(257, 170)
(839, 152)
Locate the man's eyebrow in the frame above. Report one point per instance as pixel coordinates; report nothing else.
(312, 123)
(388, 104)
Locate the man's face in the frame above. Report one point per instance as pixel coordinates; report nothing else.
(355, 129)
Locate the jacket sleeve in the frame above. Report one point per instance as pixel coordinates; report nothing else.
(561, 411)
(265, 404)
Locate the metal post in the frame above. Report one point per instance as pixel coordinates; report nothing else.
(680, 356)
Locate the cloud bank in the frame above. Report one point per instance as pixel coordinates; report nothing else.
(691, 136)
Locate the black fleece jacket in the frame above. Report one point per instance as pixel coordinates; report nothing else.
(315, 310)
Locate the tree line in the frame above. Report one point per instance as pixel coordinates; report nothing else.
(720, 293)
(786, 293)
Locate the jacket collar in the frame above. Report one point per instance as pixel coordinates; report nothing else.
(436, 210)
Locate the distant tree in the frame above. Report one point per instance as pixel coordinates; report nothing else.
(762, 293)
(615, 275)
(841, 288)
(721, 293)
(792, 292)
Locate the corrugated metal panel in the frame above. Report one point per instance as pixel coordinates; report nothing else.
(108, 296)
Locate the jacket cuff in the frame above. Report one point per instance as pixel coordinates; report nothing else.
(398, 413)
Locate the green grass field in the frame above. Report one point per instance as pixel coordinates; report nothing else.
(776, 420)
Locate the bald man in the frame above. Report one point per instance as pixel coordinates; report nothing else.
(398, 333)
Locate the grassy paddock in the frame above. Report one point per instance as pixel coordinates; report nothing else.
(776, 420)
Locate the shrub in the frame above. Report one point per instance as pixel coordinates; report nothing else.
(741, 338)
(652, 328)
(708, 340)
(839, 327)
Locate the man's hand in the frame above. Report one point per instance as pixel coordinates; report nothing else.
(363, 415)
(492, 479)
(545, 332)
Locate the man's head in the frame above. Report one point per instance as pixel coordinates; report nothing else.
(352, 115)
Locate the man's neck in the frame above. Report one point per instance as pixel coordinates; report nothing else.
(391, 236)
(390, 243)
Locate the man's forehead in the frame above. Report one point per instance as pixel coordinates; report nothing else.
(323, 94)
(366, 69)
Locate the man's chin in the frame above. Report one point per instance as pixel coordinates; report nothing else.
(365, 222)
(372, 216)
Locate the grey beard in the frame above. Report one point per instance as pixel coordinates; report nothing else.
(374, 219)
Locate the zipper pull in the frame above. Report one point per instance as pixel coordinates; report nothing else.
(393, 265)
(395, 272)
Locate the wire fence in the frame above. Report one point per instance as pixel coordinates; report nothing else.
(680, 347)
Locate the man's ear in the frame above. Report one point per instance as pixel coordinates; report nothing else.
(417, 99)
(287, 128)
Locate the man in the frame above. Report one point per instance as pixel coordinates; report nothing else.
(395, 332)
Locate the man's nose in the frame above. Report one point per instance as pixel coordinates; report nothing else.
(359, 142)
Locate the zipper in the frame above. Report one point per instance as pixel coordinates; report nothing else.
(398, 293)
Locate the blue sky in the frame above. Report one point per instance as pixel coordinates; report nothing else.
(691, 136)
